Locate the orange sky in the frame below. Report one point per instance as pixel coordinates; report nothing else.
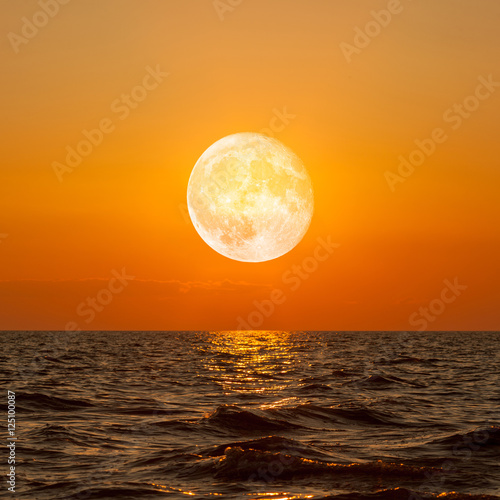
(352, 110)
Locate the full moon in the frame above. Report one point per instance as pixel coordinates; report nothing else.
(250, 197)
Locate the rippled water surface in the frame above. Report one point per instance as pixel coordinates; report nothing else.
(254, 414)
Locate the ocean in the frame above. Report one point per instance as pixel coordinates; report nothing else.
(252, 415)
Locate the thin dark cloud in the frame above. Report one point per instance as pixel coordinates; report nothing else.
(137, 287)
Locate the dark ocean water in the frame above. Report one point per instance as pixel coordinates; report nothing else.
(255, 415)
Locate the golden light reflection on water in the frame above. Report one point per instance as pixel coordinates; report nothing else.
(251, 362)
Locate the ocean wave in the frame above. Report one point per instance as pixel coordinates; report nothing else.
(246, 464)
(247, 421)
(174, 426)
(273, 444)
(146, 411)
(53, 360)
(56, 490)
(303, 416)
(382, 382)
(65, 435)
(480, 437)
(403, 359)
(39, 401)
(343, 373)
(347, 415)
(315, 387)
(405, 494)
(127, 491)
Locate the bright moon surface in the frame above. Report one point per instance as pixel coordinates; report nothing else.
(250, 197)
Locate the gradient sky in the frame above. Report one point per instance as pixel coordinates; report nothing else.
(232, 70)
